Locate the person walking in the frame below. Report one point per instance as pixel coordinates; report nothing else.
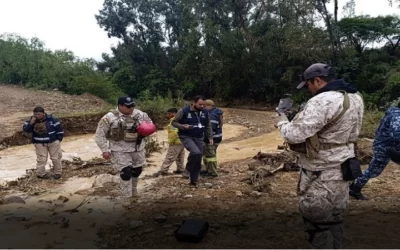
(194, 124)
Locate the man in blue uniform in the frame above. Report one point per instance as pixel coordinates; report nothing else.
(386, 146)
(193, 122)
(210, 151)
(47, 135)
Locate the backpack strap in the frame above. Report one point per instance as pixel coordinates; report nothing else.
(346, 106)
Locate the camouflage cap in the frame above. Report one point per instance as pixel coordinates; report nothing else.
(317, 69)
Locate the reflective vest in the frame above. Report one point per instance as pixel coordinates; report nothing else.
(173, 138)
(215, 115)
(194, 118)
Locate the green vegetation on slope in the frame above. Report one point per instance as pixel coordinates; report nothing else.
(30, 64)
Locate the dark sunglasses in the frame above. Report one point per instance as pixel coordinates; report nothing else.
(130, 106)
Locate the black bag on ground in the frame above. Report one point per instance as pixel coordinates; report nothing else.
(191, 231)
(351, 169)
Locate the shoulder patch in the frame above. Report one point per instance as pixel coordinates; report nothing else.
(105, 120)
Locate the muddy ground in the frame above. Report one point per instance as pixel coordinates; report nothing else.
(82, 209)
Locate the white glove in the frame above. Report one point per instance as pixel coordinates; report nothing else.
(280, 120)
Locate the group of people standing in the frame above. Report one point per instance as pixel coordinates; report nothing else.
(198, 129)
(322, 134)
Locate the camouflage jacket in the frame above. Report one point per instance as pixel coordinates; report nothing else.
(104, 126)
(388, 132)
(316, 114)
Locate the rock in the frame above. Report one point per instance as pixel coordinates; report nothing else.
(160, 218)
(188, 196)
(238, 193)
(184, 214)
(255, 194)
(104, 178)
(64, 223)
(207, 197)
(18, 217)
(148, 230)
(44, 201)
(12, 199)
(85, 191)
(135, 224)
(63, 198)
(208, 184)
(280, 211)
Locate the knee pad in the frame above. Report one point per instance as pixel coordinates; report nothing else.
(136, 172)
(126, 173)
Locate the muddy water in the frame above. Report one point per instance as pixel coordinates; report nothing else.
(15, 160)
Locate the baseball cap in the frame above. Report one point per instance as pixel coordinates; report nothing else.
(316, 69)
(172, 110)
(125, 100)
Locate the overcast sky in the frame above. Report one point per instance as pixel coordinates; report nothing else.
(71, 25)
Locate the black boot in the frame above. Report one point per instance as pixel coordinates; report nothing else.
(355, 191)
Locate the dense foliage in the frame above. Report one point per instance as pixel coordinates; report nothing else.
(251, 50)
(246, 49)
(28, 63)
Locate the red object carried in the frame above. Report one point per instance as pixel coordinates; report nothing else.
(146, 128)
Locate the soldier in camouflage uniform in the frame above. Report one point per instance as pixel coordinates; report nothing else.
(323, 134)
(387, 138)
(126, 148)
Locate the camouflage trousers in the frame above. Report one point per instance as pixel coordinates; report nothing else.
(176, 153)
(210, 158)
(121, 160)
(378, 163)
(323, 197)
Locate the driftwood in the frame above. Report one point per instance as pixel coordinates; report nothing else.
(267, 164)
(78, 163)
(257, 178)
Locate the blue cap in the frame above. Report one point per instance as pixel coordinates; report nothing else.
(125, 100)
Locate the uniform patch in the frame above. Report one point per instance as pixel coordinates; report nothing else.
(106, 121)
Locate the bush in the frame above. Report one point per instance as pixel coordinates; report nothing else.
(370, 123)
(95, 84)
(157, 106)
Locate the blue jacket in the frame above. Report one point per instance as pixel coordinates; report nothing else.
(387, 135)
(54, 131)
(193, 118)
(215, 118)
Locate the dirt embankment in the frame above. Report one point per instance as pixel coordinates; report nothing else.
(78, 114)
